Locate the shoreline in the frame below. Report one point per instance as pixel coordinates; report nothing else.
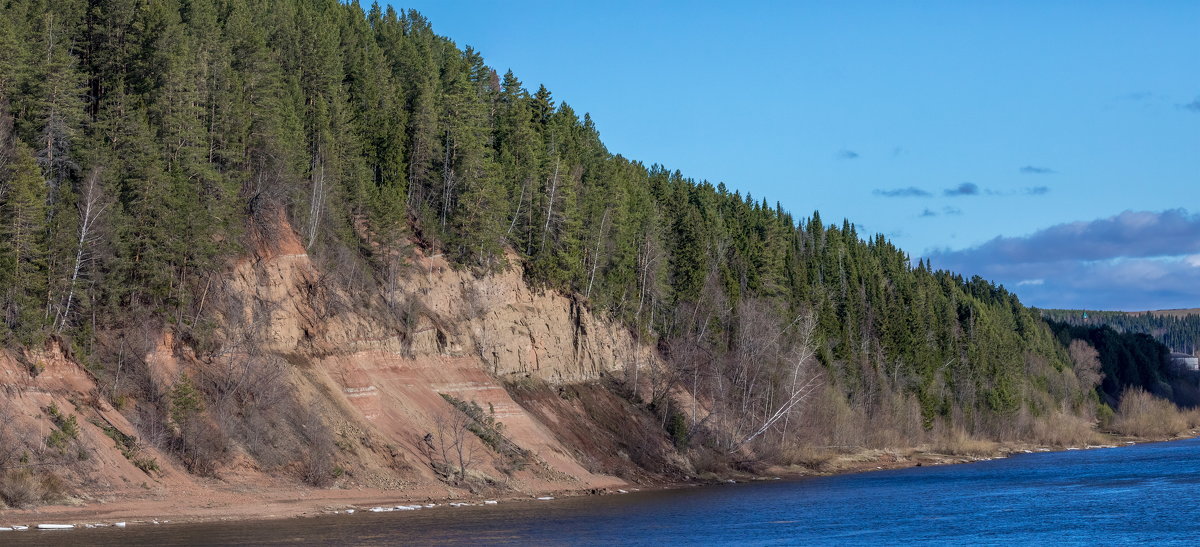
(227, 504)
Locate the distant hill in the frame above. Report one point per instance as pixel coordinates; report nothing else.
(1182, 312)
(1178, 329)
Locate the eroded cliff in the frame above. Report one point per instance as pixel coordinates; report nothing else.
(371, 385)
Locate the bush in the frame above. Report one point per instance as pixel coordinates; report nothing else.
(185, 401)
(317, 468)
(678, 429)
(1063, 429)
(130, 448)
(709, 463)
(23, 488)
(203, 448)
(66, 429)
(1105, 414)
(20, 488)
(1144, 415)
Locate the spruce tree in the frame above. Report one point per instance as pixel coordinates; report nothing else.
(23, 246)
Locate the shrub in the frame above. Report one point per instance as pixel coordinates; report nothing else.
(317, 468)
(66, 429)
(20, 488)
(23, 488)
(185, 401)
(1105, 414)
(1144, 415)
(202, 447)
(130, 448)
(678, 429)
(1063, 429)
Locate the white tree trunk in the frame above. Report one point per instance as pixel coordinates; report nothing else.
(90, 209)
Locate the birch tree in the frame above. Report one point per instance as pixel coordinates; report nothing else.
(92, 204)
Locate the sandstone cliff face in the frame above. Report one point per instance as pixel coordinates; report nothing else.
(374, 367)
(431, 310)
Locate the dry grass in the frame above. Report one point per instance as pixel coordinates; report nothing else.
(957, 442)
(1144, 415)
(810, 457)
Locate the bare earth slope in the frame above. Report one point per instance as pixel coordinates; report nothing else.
(373, 369)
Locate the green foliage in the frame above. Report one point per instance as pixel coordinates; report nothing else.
(186, 401)
(678, 430)
(129, 447)
(1105, 415)
(23, 246)
(66, 429)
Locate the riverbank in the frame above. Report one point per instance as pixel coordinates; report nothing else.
(219, 502)
(858, 460)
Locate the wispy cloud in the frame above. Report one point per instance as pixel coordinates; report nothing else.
(1035, 170)
(1134, 260)
(964, 189)
(910, 192)
(948, 211)
(845, 154)
(1194, 106)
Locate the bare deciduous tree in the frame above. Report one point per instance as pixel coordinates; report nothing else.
(1087, 364)
(316, 203)
(92, 205)
(449, 447)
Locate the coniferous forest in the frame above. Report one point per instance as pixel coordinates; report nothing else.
(1178, 330)
(147, 144)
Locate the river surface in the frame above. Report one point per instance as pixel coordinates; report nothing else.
(1146, 493)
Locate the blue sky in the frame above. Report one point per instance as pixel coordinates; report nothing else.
(995, 138)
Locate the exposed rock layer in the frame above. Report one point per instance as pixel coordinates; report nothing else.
(374, 366)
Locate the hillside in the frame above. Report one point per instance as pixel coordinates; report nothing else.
(254, 243)
(1177, 329)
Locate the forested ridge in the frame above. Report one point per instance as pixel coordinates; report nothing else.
(146, 144)
(1179, 331)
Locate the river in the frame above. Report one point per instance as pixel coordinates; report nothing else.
(1146, 493)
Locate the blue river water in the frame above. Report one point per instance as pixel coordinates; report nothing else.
(1146, 493)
